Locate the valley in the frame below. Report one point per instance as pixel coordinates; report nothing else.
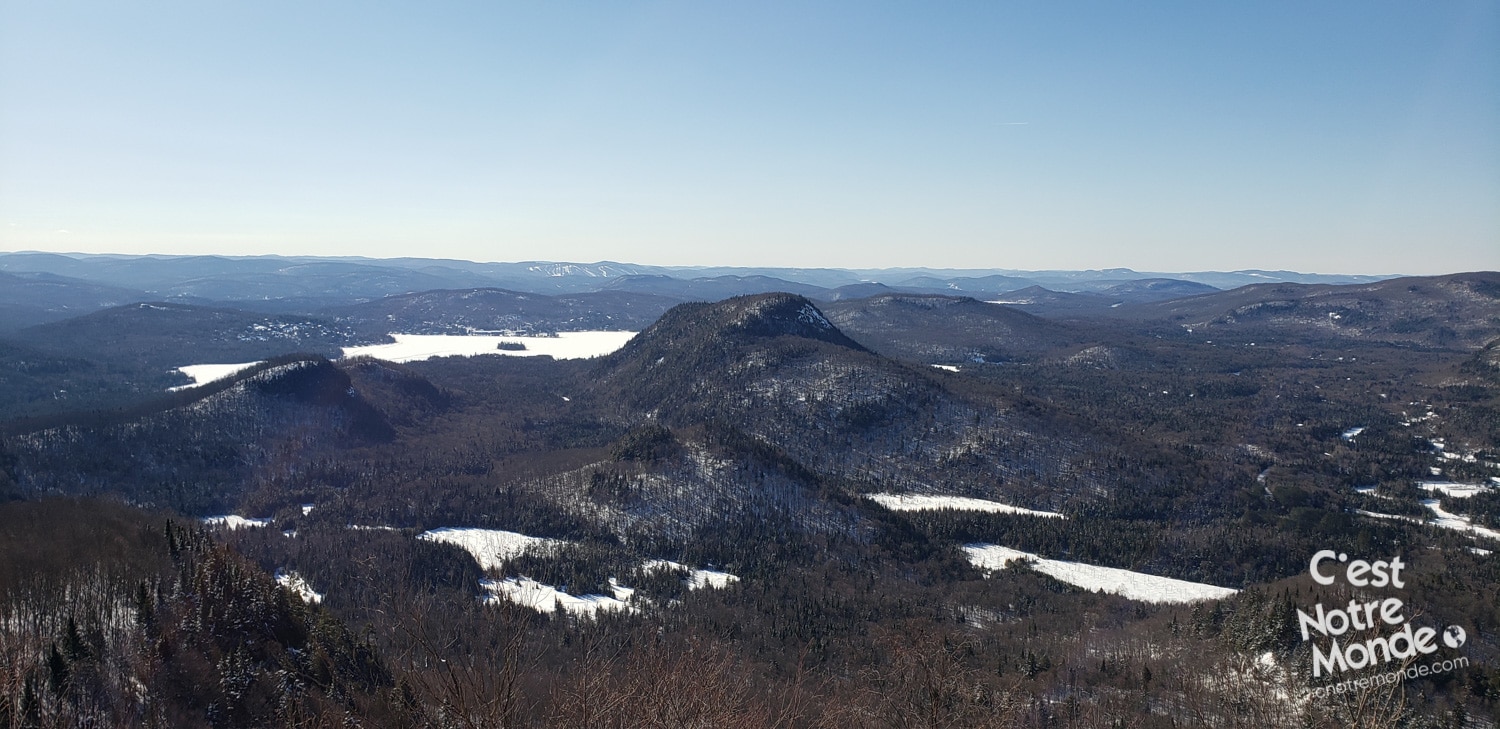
(866, 499)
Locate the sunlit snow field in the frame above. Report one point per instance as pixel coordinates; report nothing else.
(919, 502)
(203, 374)
(1125, 583)
(492, 547)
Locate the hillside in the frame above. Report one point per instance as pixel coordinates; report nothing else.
(1459, 310)
(491, 310)
(767, 497)
(939, 329)
(36, 298)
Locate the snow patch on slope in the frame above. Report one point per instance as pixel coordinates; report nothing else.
(1458, 522)
(696, 579)
(490, 547)
(1126, 583)
(202, 374)
(546, 598)
(234, 521)
(1455, 490)
(299, 586)
(916, 502)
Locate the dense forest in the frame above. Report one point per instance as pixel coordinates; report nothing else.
(698, 537)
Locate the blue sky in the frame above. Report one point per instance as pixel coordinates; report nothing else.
(1355, 137)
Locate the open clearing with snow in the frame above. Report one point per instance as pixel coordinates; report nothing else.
(490, 547)
(566, 345)
(1442, 517)
(1133, 585)
(202, 374)
(1455, 490)
(916, 502)
(233, 521)
(546, 598)
(696, 579)
(1459, 522)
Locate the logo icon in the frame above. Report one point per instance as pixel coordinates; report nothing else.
(1454, 636)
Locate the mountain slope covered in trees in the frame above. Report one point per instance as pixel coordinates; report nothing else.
(745, 437)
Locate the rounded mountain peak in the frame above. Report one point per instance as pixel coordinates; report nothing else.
(744, 318)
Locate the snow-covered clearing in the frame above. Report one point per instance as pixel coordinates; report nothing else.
(233, 521)
(566, 345)
(950, 368)
(294, 582)
(696, 579)
(1455, 490)
(917, 502)
(1352, 432)
(490, 547)
(1397, 517)
(546, 598)
(1459, 522)
(1126, 583)
(202, 374)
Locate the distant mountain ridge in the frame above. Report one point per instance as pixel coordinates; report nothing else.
(307, 283)
(1457, 310)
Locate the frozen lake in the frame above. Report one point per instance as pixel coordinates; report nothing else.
(414, 347)
(566, 345)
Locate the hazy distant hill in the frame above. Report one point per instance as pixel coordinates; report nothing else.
(461, 312)
(306, 283)
(715, 288)
(943, 329)
(1458, 310)
(168, 333)
(35, 298)
(1046, 302)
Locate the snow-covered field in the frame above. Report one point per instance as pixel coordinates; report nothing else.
(1459, 522)
(546, 598)
(1133, 585)
(566, 345)
(1442, 517)
(915, 502)
(203, 374)
(294, 582)
(233, 521)
(1397, 517)
(696, 579)
(490, 547)
(1455, 490)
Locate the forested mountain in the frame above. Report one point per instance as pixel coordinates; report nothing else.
(723, 521)
(943, 329)
(52, 286)
(492, 310)
(37, 298)
(1445, 311)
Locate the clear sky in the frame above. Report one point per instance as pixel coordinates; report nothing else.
(1352, 137)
